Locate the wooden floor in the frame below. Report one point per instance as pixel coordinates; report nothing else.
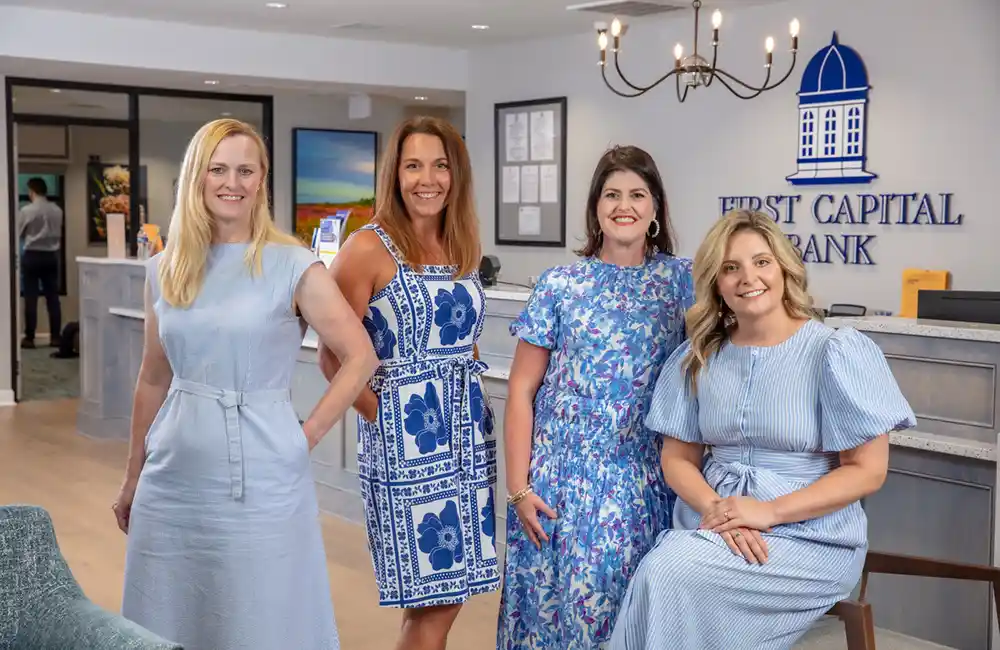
(43, 461)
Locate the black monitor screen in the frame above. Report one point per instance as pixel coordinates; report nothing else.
(961, 306)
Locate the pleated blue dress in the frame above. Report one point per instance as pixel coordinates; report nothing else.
(774, 419)
(224, 547)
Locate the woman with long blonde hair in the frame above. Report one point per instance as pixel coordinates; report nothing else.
(224, 550)
(768, 530)
(427, 453)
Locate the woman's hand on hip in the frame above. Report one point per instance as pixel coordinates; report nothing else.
(527, 510)
(739, 512)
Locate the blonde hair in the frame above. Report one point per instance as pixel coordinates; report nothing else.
(706, 320)
(459, 224)
(182, 267)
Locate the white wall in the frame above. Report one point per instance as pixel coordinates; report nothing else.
(935, 71)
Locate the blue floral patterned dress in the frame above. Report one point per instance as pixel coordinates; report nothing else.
(609, 328)
(427, 466)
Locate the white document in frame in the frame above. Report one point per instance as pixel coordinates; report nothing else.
(529, 220)
(517, 137)
(549, 183)
(529, 184)
(511, 184)
(543, 135)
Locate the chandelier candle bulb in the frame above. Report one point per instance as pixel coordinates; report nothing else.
(678, 53)
(793, 29)
(769, 47)
(716, 23)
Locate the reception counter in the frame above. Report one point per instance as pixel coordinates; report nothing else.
(938, 500)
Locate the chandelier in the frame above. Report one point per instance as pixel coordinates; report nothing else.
(693, 70)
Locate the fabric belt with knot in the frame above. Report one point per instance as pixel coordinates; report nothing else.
(458, 371)
(232, 401)
(766, 473)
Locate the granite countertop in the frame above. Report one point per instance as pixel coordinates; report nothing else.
(518, 294)
(495, 370)
(919, 327)
(129, 261)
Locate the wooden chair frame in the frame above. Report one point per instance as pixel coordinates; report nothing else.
(859, 622)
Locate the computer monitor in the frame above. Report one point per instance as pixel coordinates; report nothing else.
(960, 306)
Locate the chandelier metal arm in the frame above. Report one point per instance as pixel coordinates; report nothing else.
(715, 58)
(681, 96)
(627, 95)
(722, 80)
(621, 75)
(765, 86)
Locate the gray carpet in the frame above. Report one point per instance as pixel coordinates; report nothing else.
(45, 378)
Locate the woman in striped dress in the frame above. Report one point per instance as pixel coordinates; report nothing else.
(768, 531)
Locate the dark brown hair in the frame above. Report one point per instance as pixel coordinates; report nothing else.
(459, 223)
(632, 159)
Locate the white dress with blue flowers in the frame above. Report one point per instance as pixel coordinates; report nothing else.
(610, 329)
(427, 467)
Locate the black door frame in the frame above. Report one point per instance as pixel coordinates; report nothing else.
(132, 125)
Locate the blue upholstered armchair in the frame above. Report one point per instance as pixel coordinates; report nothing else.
(41, 605)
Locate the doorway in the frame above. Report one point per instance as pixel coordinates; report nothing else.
(77, 134)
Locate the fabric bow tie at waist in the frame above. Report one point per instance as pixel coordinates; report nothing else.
(232, 401)
(767, 473)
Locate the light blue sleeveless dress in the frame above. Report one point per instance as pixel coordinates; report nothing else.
(774, 419)
(224, 548)
(427, 467)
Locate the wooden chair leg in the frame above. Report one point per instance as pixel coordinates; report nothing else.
(859, 623)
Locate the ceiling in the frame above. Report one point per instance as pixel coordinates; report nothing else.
(432, 22)
(44, 101)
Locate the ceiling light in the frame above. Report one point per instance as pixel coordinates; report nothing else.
(226, 114)
(420, 98)
(694, 70)
(480, 27)
(275, 5)
(55, 90)
(212, 82)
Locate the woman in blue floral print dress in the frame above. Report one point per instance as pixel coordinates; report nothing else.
(583, 474)
(427, 453)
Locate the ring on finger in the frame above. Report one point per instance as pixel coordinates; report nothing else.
(737, 534)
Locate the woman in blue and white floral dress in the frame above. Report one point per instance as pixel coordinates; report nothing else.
(587, 499)
(427, 454)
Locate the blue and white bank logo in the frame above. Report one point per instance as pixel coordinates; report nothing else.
(833, 119)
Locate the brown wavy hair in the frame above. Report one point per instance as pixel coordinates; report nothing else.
(628, 159)
(459, 223)
(710, 321)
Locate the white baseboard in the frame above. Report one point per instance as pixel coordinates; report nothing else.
(7, 398)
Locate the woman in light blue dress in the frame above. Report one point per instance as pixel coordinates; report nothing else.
(587, 498)
(768, 529)
(427, 453)
(224, 548)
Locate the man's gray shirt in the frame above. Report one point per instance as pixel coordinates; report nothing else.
(40, 226)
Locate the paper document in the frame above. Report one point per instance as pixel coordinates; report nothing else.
(549, 183)
(529, 220)
(511, 184)
(543, 135)
(529, 184)
(517, 137)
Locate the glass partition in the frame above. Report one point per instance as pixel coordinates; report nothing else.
(166, 125)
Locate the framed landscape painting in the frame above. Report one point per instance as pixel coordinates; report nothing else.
(332, 170)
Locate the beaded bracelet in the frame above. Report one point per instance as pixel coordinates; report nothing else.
(518, 496)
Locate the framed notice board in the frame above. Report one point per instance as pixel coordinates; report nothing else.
(529, 170)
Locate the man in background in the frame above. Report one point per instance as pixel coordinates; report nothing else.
(39, 228)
